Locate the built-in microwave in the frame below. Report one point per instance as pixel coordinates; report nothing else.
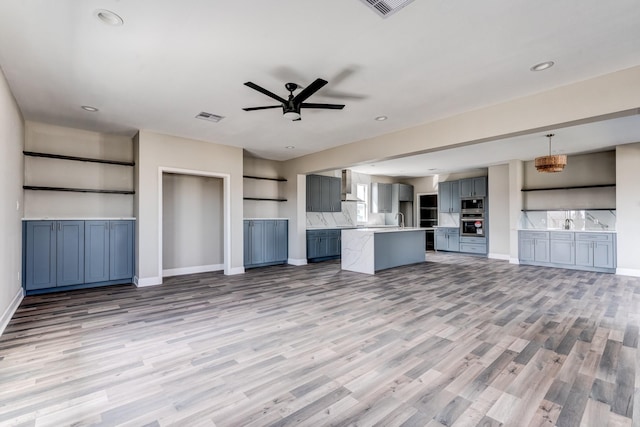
(472, 227)
(471, 205)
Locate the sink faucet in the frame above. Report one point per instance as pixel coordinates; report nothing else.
(567, 223)
(401, 219)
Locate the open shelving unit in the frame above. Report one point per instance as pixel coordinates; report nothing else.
(577, 187)
(262, 178)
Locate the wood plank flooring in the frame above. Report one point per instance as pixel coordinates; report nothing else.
(457, 341)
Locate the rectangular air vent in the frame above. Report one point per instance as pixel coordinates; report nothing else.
(208, 116)
(386, 8)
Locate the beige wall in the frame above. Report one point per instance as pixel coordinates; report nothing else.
(11, 208)
(45, 138)
(628, 208)
(192, 224)
(157, 152)
(498, 204)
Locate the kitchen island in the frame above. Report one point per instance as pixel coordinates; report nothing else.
(367, 250)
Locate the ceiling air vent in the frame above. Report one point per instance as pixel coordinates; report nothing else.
(386, 8)
(208, 116)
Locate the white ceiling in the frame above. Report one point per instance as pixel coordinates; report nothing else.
(173, 59)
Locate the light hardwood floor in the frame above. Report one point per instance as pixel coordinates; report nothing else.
(457, 341)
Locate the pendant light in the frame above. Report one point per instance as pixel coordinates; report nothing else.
(551, 163)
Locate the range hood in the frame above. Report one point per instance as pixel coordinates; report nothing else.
(347, 195)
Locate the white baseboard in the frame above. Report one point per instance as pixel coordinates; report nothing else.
(628, 272)
(192, 270)
(297, 261)
(148, 281)
(514, 260)
(503, 257)
(10, 311)
(233, 271)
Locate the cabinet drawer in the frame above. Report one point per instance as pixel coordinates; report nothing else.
(474, 240)
(474, 248)
(534, 234)
(560, 235)
(595, 237)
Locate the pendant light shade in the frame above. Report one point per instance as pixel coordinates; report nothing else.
(551, 163)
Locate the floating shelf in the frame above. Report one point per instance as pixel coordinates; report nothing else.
(264, 178)
(569, 188)
(76, 190)
(78, 159)
(261, 198)
(572, 209)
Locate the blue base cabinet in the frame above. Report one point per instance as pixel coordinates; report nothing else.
(266, 242)
(323, 245)
(64, 255)
(448, 239)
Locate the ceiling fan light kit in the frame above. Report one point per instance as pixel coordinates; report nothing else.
(291, 106)
(552, 162)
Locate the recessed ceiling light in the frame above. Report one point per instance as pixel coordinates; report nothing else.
(89, 109)
(381, 118)
(542, 66)
(108, 17)
(290, 147)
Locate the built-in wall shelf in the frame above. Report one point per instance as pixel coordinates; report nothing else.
(568, 209)
(76, 190)
(568, 188)
(78, 159)
(265, 178)
(265, 199)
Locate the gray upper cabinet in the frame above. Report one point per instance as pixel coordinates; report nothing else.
(449, 196)
(473, 187)
(265, 242)
(405, 192)
(323, 193)
(381, 197)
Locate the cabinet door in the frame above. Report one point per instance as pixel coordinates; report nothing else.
(441, 241)
(603, 255)
(541, 250)
(269, 241)
(454, 242)
(246, 237)
(282, 240)
(526, 249)
(405, 193)
(466, 187)
(479, 186)
(455, 196)
(96, 246)
(313, 243)
(70, 253)
(121, 238)
(256, 231)
(333, 243)
(584, 253)
(314, 193)
(40, 263)
(562, 252)
(334, 203)
(444, 197)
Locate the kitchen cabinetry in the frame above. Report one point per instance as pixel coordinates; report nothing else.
(323, 194)
(265, 242)
(108, 250)
(70, 254)
(473, 245)
(561, 248)
(534, 246)
(473, 187)
(324, 244)
(381, 197)
(448, 239)
(405, 192)
(449, 196)
(593, 251)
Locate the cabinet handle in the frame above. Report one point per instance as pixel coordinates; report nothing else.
(52, 226)
(59, 226)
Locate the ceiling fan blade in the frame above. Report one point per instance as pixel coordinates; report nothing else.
(262, 108)
(266, 92)
(322, 106)
(309, 90)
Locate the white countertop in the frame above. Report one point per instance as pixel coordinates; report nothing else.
(386, 230)
(54, 218)
(257, 219)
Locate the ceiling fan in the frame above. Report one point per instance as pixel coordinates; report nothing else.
(291, 106)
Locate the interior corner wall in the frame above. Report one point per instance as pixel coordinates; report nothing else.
(157, 151)
(628, 208)
(11, 210)
(498, 191)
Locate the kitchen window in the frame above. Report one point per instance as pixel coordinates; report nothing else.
(362, 193)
